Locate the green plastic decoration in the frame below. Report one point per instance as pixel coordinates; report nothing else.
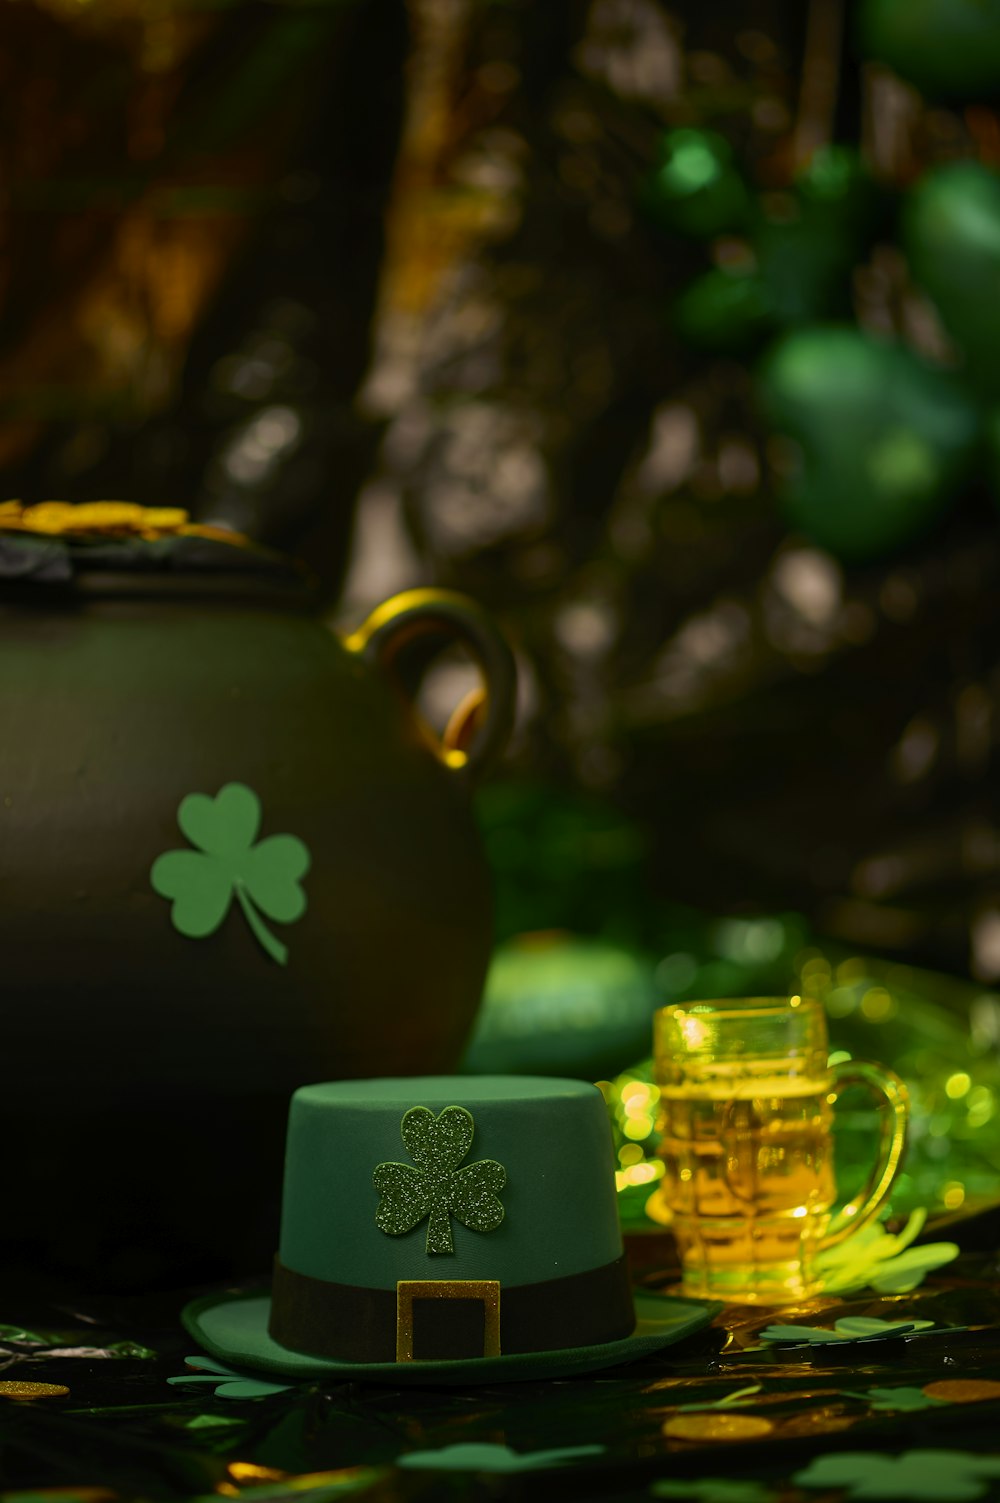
(920, 1476)
(874, 1259)
(228, 862)
(229, 1384)
(850, 1328)
(437, 1188)
(483, 1457)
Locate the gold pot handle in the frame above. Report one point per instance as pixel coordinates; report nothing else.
(480, 725)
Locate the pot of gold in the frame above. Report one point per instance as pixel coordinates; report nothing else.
(236, 860)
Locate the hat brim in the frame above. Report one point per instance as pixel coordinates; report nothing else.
(233, 1327)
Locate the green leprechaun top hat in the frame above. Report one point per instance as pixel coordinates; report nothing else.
(446, 1229)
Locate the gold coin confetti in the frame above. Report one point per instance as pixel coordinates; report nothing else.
(13, 1388)
(963, 1390)
(717, 1427)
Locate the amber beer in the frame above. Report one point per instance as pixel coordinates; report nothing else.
(749, 1180)
(746, 1114)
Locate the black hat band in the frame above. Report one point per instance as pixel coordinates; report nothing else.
(443, 1319)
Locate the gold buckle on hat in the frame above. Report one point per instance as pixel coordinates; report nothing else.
(407, 1290)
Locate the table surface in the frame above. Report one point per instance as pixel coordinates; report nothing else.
(124, 1432)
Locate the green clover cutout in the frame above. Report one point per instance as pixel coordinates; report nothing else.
(227, 1382)
(896, 1400)
(714, 1490)
(437, 1188)
(485, 1456)
(855, 1328)
(227, 862)
(933, 1476)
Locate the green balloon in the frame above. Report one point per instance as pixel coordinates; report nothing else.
(805, 247)
(723, 312)
(950, 49)
(695, 189)
(806, 252)
(884, 440)
(951, 234)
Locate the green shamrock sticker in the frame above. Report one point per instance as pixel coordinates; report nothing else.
(229, 862)
(437, 1188)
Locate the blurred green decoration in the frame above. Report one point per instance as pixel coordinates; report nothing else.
(930, 1476)
(483, 1456)
(992, 435)
(948, 49)
(802, 246)
(808, 240)
(882, 440)
(561, 1004)
(713, 1490)
(562, 860)
(726, 310)
(951, 234)
(695, 188)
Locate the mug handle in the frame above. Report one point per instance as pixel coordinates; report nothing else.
(892, 1142)
(480, 725)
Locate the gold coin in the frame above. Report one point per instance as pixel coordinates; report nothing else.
(963, 1390)
(717, 1427)
(13, 1388)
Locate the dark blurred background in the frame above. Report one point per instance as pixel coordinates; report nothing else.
(666, 330)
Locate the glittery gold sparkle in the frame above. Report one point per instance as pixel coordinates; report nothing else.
(717, 1427)
(486, 1290)
(437, 1189)
(13, 1388)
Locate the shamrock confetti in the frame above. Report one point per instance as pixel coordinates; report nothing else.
(228, 863)
(475, 1457)
(850, 1328)
(229, 1384)
(437, 1188)
(738, 1397)
(873, 1258)
(927, 1476)
(897, 1400)
(713, 1490)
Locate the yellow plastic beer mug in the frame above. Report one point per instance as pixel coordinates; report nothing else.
(746, 1112)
